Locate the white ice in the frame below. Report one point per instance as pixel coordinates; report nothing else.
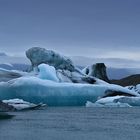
(118, 104)
(20, 104)
(133, 101)
(108, 99)
(115, 101)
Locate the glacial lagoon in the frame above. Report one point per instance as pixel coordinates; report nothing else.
(73, 123)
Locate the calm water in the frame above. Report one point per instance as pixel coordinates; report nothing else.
(73, 123)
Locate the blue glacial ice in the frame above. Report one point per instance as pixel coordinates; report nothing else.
(33, 89)
(47, 72)
(46, 88)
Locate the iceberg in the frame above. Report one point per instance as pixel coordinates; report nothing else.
(55, 81)
(108, 99)
(133, 101)
(36, 90)
(38, 56)
(116, 101)
(118, 104)
(19, 104)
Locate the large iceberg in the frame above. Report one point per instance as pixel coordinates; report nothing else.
(33, 89)
(55, 84)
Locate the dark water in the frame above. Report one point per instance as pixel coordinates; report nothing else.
(73, 123)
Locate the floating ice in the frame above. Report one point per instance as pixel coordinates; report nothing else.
(20, 104)
(35, 90)
(115, 101)
(108, 99)
(118, 104)
(47, 72)
(133, 101)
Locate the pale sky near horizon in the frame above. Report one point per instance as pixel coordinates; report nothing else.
(91, 28)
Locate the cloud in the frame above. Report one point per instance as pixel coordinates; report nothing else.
(109, 62)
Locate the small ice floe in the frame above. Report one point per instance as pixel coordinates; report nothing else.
(109, 102)
(118, 104)
(19, 104)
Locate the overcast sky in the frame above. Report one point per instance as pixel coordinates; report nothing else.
(93, 28)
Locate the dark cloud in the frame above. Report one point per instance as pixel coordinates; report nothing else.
(94, 28)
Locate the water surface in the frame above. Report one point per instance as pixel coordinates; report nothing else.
(73, 123)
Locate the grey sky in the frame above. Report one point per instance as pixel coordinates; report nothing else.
(92, 28)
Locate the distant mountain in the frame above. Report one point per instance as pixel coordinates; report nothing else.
(14, 62)
(128, 81)
(6, 66)
(119, 73)
(21, 67)
(116, 68)
(4, 58)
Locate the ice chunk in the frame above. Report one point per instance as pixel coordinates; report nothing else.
(108, 99)
(133, 101)
(35, 90)
(47, 72)
(62, 77)
(41, 55)
(116, 100)
(19, 104)
(110, 104)
(90, 104)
